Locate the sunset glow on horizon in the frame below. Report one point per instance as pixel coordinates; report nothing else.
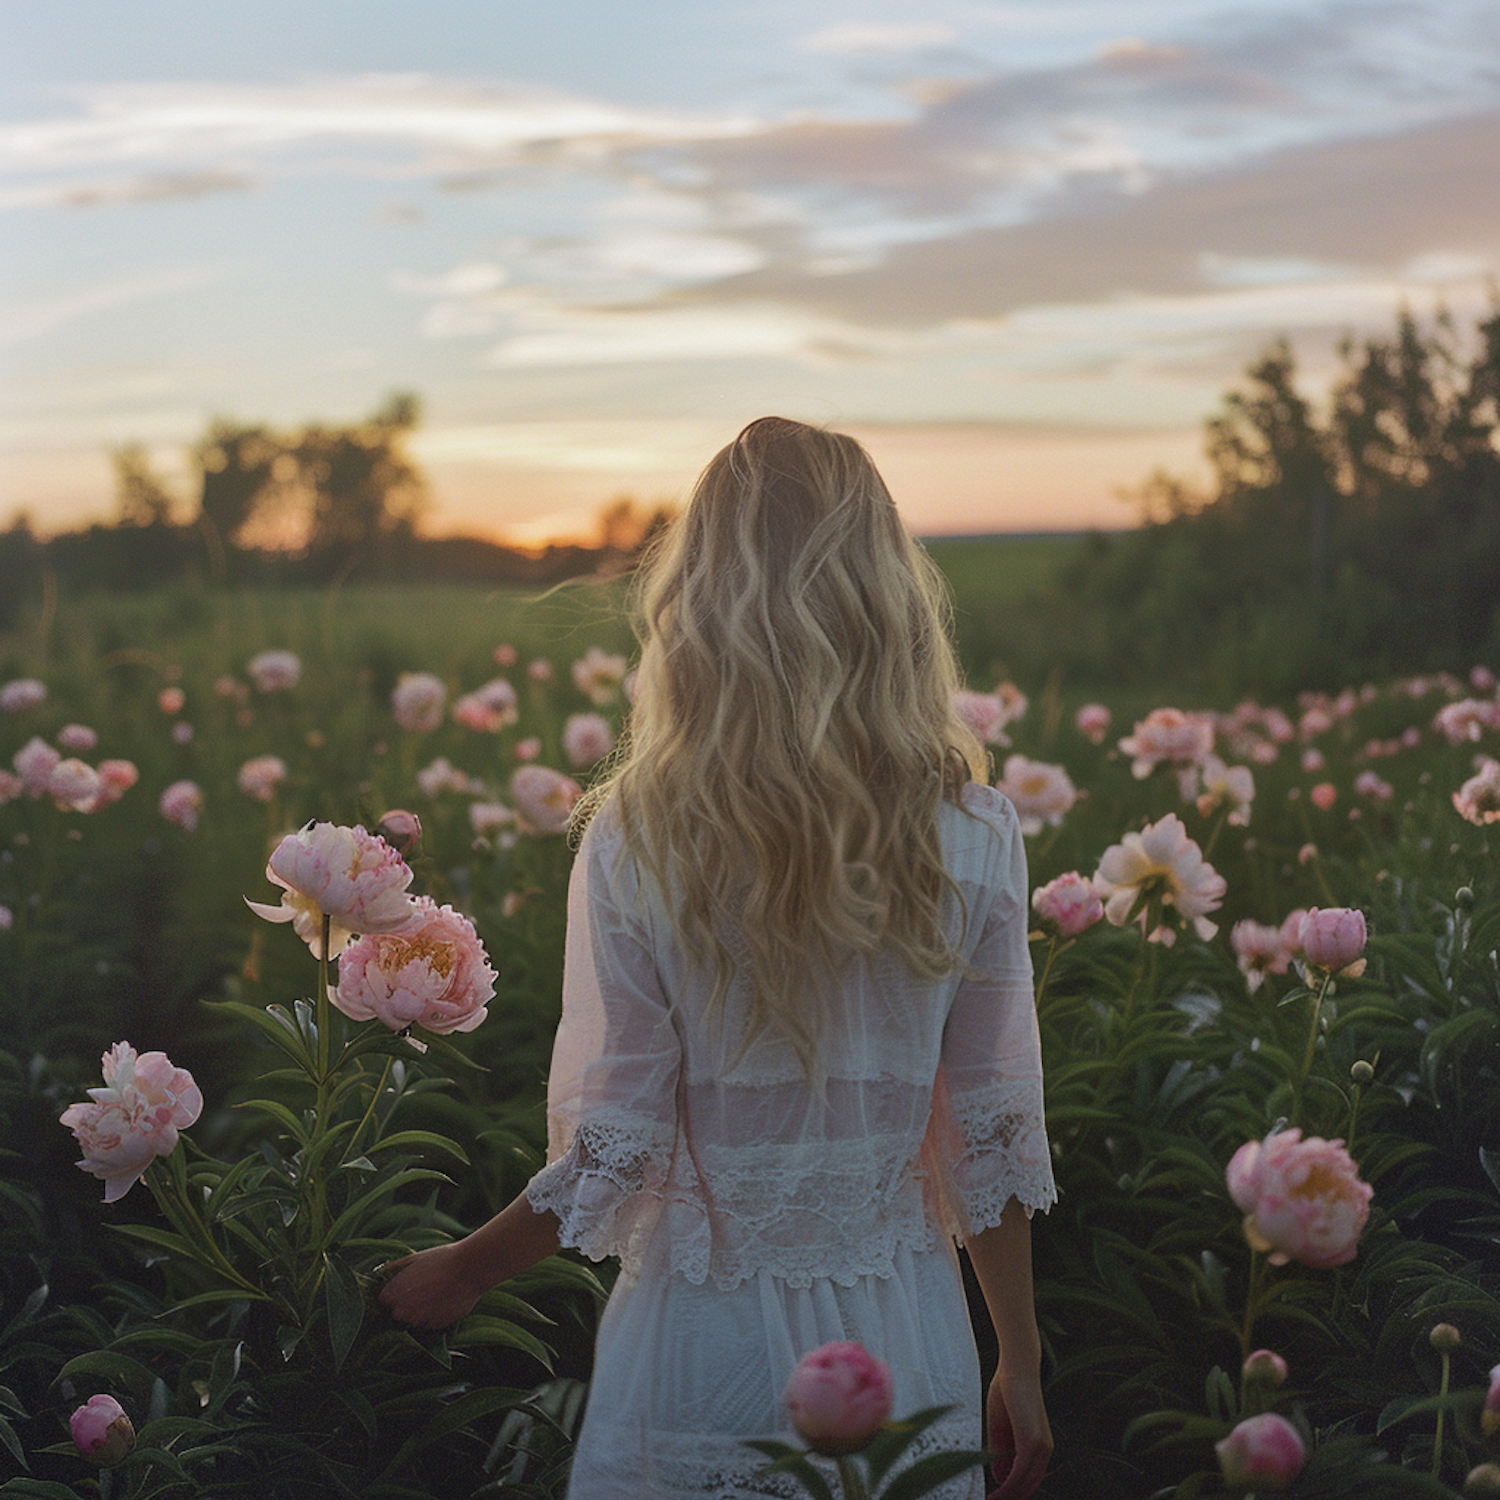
(1021, 251)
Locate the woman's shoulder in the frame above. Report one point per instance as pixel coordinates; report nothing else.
(981, 824)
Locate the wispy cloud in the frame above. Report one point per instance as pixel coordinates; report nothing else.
(34, 319)
(878, 36)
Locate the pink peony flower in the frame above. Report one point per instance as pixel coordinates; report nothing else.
(1291, 924)
(34, 762)
(443, 776)
(273, 671)
(1477, 800)
(1489, 1417)
(417, 701)
(1368, 784)
(11, 787)
(985, 713)
(1302, 1200)
(134, 1118)
(1159, 867)
(597, 674)
(1041, 793)
(539, 670)
(170, 700)
(586, 740)
(473, 713)
(1093, 721)
(226, 686)
(1231, 786)
(1466, 720)
(543, 799)
(838, 1398)
(1261, 1453)
(7, 919)
(77, 737)
(116, 777)
(1313, 760)
(489, 817)
(505, 655)
(260, 776)
(23, 693)
(433, 973)
(1258, 951)
(182, 733)
(101, 1431)
(1324, 795)
(74, 785)
(1168, 735)
(402, 830)
(1333, 938)
(529, 748)
(181, 803)
(352, 877)
(1070, 903)
(1264, 1367)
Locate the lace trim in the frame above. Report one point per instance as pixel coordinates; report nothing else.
(625, 1462)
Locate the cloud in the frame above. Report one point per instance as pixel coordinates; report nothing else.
(34, 319)
(150, 187)
(877, 36)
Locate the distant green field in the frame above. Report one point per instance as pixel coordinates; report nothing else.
(985, 569)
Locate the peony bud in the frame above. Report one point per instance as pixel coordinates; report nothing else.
(1264, 1368)
(1361, 1071)
(1489, 1418)
(1444, 1338)
(1261, 1453)
(402, 830)
(1483, 1483)
(102, 1432)
(1463, 897)
(838, 1397)
(1333, 938)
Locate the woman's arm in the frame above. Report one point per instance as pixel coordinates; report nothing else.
(436, 1287)
(1016, 1418)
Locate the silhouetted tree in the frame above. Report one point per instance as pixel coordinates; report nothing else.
(240, 467)
(141, 499)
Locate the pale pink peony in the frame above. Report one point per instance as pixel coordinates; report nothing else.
(1261, 1453)
(1313, 760)
(74, 785)
(34, 762)
(101, 1431)
(1160, 866)
(11, 787)
(346, 874)
(1333, 938)
(1489, 1417)
(1315, 721)
(443, 776)
(986, 714)
(1368, 784)
(1461, 722)
(417, 701)
(260, 776)
(273, 671)
(1478, 799)
(506, 654)
(1291, 924)
(1258, 951)
(134, 1118)
(23, 693)
(473, 713)
(1041, 793)
(1324, 795)
(529, 748)
(433, 973)
(181, 803)
(1070, 903)
(226, 686)
(182, 733)
(543, 799)
(1168, 735)
(116, 777)
(170, 700)
(597, 674)
(1302, 1200)
(77, 737)
(1093, 721)
(7, 919)
(489, 817)
(586, 740)
(838, 1398)
(539, 670)
(1264, 1367)
(1225, 786)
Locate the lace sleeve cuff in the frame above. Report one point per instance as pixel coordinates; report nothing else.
(606, 1188)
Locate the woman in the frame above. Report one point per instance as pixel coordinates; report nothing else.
(798, 1052)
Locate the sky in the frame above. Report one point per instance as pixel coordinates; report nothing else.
(1019, 249)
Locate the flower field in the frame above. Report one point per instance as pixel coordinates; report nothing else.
(1265, 942)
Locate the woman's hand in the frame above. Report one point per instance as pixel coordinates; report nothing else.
(1020, 1435)
(430, 1289)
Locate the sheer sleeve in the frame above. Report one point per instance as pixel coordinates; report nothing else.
(612, 1090)
(987, 1141)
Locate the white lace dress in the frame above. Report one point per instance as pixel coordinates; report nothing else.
(753, 1220)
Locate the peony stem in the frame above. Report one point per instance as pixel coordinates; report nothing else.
(179, 1211)
(851, 1480)
(1437, 1442)
(352, 1149)
(1252, 1307)
(1046, 969)
(1312, 1040)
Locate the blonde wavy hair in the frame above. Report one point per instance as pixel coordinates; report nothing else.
(792, 734)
